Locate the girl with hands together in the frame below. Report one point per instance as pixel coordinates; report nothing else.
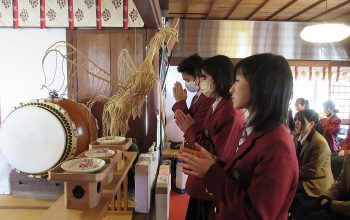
(196, 162)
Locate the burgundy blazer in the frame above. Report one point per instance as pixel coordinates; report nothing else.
(222, 130)
(198, 109)
(217, 126)
(332, 128)
(346, 143)
(261, 184)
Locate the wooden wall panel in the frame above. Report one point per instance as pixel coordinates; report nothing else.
(103, 47)
(97, 48)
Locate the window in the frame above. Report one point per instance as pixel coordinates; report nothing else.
(340, 90)
(315, 85)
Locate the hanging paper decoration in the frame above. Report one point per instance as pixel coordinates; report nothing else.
(29, 13)
(310, 72)
(98, 15)
(84, 13)
(56, 13)
(134, 19)
(69, 13)
(296, 72)
(338, 73)
(6, 13)
(42, 14)
(112, 13)
(125, 14)
(324, 73)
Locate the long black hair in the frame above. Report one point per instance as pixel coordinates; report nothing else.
(271, 87)
(220, 68)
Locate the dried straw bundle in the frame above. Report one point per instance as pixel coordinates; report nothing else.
(129, 100)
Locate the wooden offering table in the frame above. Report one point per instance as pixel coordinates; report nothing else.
(122, 146)
(83, 198)
(113, 189)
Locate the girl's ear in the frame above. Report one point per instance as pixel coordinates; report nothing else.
(312, 123)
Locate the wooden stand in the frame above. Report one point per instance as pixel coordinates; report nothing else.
(83, 190)
(114, 191)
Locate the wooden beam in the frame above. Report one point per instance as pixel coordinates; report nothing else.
(150, 12)
(339, 16)
(305, 9)
(281, 9)
(175, 23)
(210, 9)
(233, 8)
(329, 10)
(257, 9)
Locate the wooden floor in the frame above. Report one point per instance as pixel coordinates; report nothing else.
(31, 209)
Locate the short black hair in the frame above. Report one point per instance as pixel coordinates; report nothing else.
(271, 87)
(191, 65)
(220, 68)
(311, 116)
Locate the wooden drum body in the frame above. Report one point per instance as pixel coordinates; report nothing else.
(38, 135)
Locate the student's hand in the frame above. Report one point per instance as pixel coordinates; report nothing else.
(183, 121)
(323, 115)
(179, 92)
(341, 153)
(196, 162)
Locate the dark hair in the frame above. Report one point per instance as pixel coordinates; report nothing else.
(310, 116)
(330, 104)
(220, 68)
(191, 65)
(271, 87)
(303, 102)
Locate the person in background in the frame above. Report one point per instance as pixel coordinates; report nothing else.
(301, 104)
(334, 204)
(259, 180)
(221, 119)
(314, 157)
(290, 121)
(345, 146)
(331, 124)
(190, 69)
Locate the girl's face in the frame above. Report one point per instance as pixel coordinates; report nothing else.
(299, 107)
(308, 125)
(240, 91)
(188, 78)
(207, 84)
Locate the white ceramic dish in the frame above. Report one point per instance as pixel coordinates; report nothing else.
(97, 153)
(73, 165)
(110, 139)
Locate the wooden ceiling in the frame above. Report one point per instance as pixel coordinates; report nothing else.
(262, 10)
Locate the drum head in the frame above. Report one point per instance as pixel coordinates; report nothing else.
(32, 139)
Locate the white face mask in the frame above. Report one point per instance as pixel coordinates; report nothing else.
(206, 89)
(191, 86)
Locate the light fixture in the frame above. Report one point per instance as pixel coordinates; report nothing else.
(326, 32)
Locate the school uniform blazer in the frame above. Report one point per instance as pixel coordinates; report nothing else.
(340, 191)
(261, 184)
(332, 127)
(222, 130)
(345, 146)
(218, 125)
(315, 165)
(198, 108)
